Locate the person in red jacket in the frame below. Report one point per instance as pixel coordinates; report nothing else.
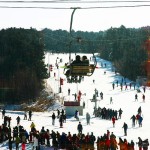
(107, 143)
(113, 121)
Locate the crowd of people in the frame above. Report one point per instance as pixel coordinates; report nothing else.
(107, 114)
(56, 140)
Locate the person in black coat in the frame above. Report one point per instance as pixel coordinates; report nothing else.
(140, 143)
(145, 144)
(80, 128)
(133, 120)
(61, 121)
(125, 127)
(53, 119)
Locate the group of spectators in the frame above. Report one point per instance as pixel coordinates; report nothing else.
(107, 114)
(54, 139)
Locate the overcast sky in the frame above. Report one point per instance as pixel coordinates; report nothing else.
(95, 19)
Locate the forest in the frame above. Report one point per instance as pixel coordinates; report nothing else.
(22, 55)
(22, 68)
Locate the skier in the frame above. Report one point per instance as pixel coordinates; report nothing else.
(113, 121)
(113, 85)
(18, 120)
(75, 96)
(93, 81)
(143, 97)
(136, 97)
(88, 117)
(25, 115)
(144, 89)
(101, 95)
(61, 121)
(111, 100)
(58, 113)
(30, 115)
(133, 120)
(139, 110)
(79, 128)
(120, 113)
(76, 115)
(69, 91)
(125, 127)
(53, 119)
(140, 121)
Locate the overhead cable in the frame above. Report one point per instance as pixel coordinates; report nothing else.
(98, 7)
(75, 1)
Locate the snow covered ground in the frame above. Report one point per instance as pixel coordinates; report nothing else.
(124, 99)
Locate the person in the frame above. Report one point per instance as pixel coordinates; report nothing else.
(75, 96)
(10, 142)
(79, 128)
(53, 119)
(143, 97)
(133, 120)
(30, 114)
(101, 95)
(64, 118)
(111, 100)
(140, 143)
(120, 113)
(68, 91)
(77, 60)
(113, 121)
(3, 113)
(93, 81)
(61, 121)
(140, 121)
(125, 127)
(113, 85)
(17, 141)
(91, 141)
(131, 145)
(25, 115)
(145, 144)
(32, 126)
(136, 97)
(35, 141)
(85, 61)
(23, 146)
(88, 117)
(58, 113)
(144, 89)
(139, 110)
(18, 120)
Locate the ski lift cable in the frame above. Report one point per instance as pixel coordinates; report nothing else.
(63, 8)
(74, 1)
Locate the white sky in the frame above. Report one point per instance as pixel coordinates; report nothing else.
(84, 19)
(121, 99)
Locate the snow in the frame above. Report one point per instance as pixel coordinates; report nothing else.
(124, 99)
